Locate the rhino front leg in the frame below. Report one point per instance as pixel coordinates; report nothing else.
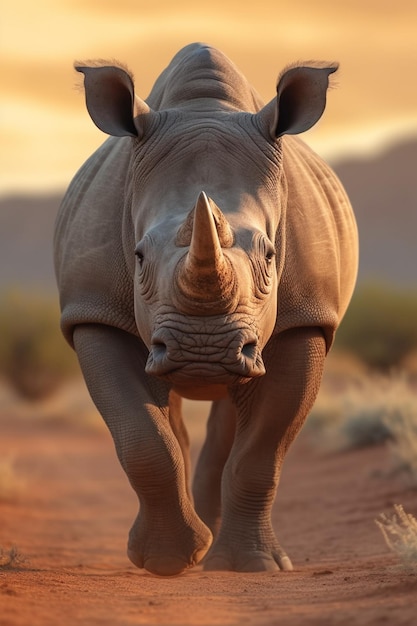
(271, 411)
(180, 431)
(167, 536)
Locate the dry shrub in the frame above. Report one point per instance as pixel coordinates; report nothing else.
(403, 444)
(400, 534)
(34, 357)
(370, 410)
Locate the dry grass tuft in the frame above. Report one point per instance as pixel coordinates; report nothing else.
(400, 534)
(11, 558)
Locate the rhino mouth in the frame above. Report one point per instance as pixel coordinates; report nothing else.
(206, 376)
(185, 362)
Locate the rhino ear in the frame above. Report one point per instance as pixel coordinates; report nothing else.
(111, 100)
(300, 101)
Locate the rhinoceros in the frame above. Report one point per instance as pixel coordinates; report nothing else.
(204, 252)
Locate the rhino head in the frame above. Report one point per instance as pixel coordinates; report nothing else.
(218, 314)
(206, 200)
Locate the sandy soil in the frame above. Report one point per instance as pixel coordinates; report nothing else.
(73, 513)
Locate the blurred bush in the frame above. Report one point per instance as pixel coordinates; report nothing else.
(380, 326)
(371, 410)
(34, 357)
(379, 329)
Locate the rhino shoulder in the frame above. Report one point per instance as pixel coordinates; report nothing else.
(93, 272)
(321, 249)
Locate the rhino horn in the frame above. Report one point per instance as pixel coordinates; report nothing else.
(205, 276)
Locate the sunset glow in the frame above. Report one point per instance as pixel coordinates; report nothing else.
(46, 132)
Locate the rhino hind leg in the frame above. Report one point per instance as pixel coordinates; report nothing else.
(271, 411)
(221, 426)
(167, 536)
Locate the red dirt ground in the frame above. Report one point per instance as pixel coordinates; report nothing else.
(72, 517)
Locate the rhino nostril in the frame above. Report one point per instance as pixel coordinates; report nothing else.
(249, 350)
(159, 349)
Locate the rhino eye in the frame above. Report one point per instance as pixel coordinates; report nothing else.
(139, 255)
(269, 255)
(145, 255)
(262, 260)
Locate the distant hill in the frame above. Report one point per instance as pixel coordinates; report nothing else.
(383, 191)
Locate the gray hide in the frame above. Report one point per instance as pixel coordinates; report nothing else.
(204, 251)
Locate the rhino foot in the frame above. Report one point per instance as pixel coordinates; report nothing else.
(168, 551)
(226, 559)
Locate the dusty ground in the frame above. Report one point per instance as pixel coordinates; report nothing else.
(73, 513)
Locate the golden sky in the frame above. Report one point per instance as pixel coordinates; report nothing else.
(46, 132)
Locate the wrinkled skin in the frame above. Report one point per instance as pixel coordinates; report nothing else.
(204, 252)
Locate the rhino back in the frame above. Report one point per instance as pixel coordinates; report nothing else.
(91, 236)
(321, 249)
